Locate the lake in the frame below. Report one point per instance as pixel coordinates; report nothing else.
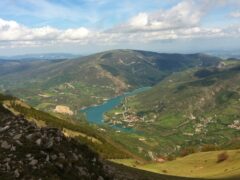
(95, 114)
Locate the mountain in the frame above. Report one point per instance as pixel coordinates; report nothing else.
(225, 54)
(29, 151)
(187, 112)
(46, 56)
(193, 106)
(85, 81)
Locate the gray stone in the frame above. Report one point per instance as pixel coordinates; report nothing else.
(54, 157)
(39, 142)
(17, 137)
(33, 162)
(16, 173)
(5, 145)
(4, 128)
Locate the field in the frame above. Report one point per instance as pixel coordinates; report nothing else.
(206, 166)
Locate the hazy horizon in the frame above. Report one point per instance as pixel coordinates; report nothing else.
(90, 26)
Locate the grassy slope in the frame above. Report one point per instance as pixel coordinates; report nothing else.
(201, 165)
(184, 111)
(116, 170)
(77, 129)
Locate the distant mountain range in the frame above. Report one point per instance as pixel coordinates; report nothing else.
(47, 56)
(226, 54)
(89, 80)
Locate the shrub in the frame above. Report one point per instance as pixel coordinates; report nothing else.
(170, 158)
(187, 151)
(209, 147)
(222, 157)
(164, 171)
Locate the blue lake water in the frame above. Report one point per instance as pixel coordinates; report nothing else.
(95, 114)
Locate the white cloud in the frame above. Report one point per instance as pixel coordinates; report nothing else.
(183, 21)
(235, 14)
(75, 34)
(139, 21)
(12, 31)
(184, 15)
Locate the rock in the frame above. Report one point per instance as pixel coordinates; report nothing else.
(61, 155)
(33, 162)
(7, 160)
(16, 173)
(59, 165)
(49, 145)
(100, 178)
(19, 143)
(5, 145)
(58, 139)
(94, 160)
(4, 128)
(39, 142)
(7, 167)
(29, 137)
(75, 157)
(47, 158)
(13, 148)
(53, 157)
(28, 155)
(82, 171)
(17, 137)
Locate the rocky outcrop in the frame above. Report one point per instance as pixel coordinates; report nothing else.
(27, 152)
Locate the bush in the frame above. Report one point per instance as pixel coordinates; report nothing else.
(222, 157)
(187, 151)
(170, 158)
(209, 147)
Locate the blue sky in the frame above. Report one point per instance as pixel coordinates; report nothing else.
(86, 26)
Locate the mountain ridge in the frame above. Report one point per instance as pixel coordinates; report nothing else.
(102, 75)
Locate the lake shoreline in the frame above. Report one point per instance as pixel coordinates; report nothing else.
(95, 114)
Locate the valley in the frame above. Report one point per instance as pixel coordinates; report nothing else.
(182, 114)
(120, 90)
(91, 80)
(144, 106)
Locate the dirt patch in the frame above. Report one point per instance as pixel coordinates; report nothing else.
(70, 133)
(63, 110)
(119, 84)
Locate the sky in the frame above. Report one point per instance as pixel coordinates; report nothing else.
(88, 26)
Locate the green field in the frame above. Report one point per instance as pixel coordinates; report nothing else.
(184, 112)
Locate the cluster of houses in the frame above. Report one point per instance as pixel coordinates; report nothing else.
(235, 125)
(200, 127)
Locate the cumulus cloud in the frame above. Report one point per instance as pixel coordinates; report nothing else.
(12, 31)
(74, 34)
(183, 15)
(15, 33)
(182, 21)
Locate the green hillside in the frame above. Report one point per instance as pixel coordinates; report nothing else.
(87, 134)
(82, 82)
(189, 111)
(32, 152)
